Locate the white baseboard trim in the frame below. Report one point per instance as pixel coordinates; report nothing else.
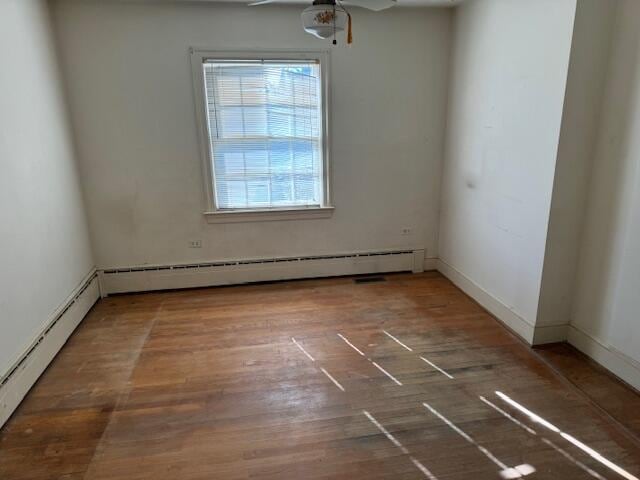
(18, 380)
(616, 362)
(233, 272)
(502, 312)
(430, 264)
(550, 334)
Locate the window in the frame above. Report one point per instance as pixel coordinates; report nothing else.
(265, 134)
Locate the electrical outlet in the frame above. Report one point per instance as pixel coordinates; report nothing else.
(195, 243)
(406, 231)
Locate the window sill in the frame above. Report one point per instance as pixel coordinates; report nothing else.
(268, 215)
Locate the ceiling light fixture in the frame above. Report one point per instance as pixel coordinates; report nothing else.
(324, 19)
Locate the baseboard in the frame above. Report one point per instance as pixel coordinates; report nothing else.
(19, 379)
(550, 334)
(233, 272)
(430, 264)
(498, 309)
(616, 362)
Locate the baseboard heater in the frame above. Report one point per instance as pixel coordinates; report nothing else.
(25, 371)
(231, 272)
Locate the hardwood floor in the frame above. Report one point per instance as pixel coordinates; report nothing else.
(609, 393)
(210, 384)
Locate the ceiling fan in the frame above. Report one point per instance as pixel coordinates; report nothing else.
(325, 18)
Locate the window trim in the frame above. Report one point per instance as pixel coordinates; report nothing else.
(214, 214)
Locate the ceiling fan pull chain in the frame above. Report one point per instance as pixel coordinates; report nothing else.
(334, 25)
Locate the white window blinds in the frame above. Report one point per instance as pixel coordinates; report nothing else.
(265, 133)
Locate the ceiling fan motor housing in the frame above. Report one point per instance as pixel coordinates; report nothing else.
(324, 18)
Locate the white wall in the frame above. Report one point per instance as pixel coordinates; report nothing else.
(44, 244)
(127, 67)
(605, 315)
(580, 122)
(510, 62)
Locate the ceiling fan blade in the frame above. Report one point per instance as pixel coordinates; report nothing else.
(262, 2)
(375, 5)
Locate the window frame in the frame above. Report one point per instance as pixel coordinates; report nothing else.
(214, 214)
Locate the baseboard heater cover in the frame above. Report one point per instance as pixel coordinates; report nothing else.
(229, 272)
(25, 371)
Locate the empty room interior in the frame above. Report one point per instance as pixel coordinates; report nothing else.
(297, 239)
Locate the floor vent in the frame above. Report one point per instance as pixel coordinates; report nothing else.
(369, 280)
